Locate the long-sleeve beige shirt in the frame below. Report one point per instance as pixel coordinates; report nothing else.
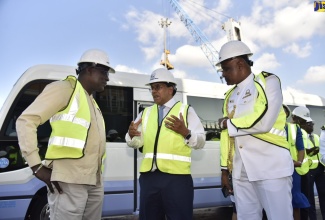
(55, 97)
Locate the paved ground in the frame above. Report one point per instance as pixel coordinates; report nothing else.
(221, 213)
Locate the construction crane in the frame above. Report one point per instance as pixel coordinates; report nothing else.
(165, 62)
(231, 27)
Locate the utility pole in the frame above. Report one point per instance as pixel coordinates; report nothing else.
(164, 24)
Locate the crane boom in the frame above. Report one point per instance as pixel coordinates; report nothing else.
(210, 52)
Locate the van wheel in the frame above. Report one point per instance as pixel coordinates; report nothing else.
(41, 209)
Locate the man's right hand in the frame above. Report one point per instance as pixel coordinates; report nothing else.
(44, 174)
(133, 129)
(225, 181)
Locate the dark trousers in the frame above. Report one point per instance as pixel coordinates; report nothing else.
(166, 196)
(305, 183)
(317, 176)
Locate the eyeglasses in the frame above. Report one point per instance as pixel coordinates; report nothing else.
(156, 87)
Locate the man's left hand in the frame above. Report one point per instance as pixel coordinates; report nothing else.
(177, 124)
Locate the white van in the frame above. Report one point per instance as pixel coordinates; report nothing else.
(22, 196)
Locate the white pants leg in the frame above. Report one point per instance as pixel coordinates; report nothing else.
(272, 195)
(77, 202)
(276, 198)
(247, 204)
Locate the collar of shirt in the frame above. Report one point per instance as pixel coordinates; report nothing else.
(245, 82)
(168, 105)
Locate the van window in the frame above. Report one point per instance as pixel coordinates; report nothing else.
(10, 155)
(116, 104)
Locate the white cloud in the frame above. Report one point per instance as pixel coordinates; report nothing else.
(189, 55)
(179, 74)
(123, 68)
(149, 33)
(314, 75)
(299, 51)
(284, 25)
(293, 90)
(267, 62)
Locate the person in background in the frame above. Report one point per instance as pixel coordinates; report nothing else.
(322, 143)
(300, 161)
(253, 131)
(112, 136)
(167, 131)
(212, 135)
(301, 115)
(72, 169)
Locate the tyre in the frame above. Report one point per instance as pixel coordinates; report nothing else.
(39, 209)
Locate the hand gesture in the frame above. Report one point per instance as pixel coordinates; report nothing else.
(133, 128)
(44, 174)
(177, 124)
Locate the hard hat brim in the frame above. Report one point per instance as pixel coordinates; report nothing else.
(220, 61)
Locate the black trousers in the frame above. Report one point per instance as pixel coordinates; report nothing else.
(317, 176)
(166, 196)
(305, 183)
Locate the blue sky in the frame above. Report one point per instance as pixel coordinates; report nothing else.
(286, 37)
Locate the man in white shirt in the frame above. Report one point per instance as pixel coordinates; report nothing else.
(253, 140)
(167, 131)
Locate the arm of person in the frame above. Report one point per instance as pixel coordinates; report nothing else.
(134, 137)
(197, 139)
(54, 97)
(322, 144)
(275, 99)
(194, 135)
(300, 148)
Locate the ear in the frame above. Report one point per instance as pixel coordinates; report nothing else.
(241, 63)
(171, 90)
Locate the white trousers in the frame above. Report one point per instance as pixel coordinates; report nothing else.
(77, 202)
(274, 196)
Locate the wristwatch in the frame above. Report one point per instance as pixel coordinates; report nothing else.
(188, 136)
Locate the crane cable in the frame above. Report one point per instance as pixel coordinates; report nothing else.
(202, 6)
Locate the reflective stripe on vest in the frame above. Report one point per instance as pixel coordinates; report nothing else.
(172, 154)
(278, 132)
(169, 157)
(70, 126)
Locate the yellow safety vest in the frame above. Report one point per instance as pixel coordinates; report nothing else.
(313, 160)
(292, 135)
(70, 126)
(167, 147)
(277, 135)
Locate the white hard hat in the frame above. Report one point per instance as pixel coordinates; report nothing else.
(112, 131)
(303, 113)
(232, 49)
(288, 109)
(161, 75)
(97, 57)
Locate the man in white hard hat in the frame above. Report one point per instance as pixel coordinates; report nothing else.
(72, 166)
(301, 115)
(167, 131)
(253, 140)
(113, 136)
(299, 156)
